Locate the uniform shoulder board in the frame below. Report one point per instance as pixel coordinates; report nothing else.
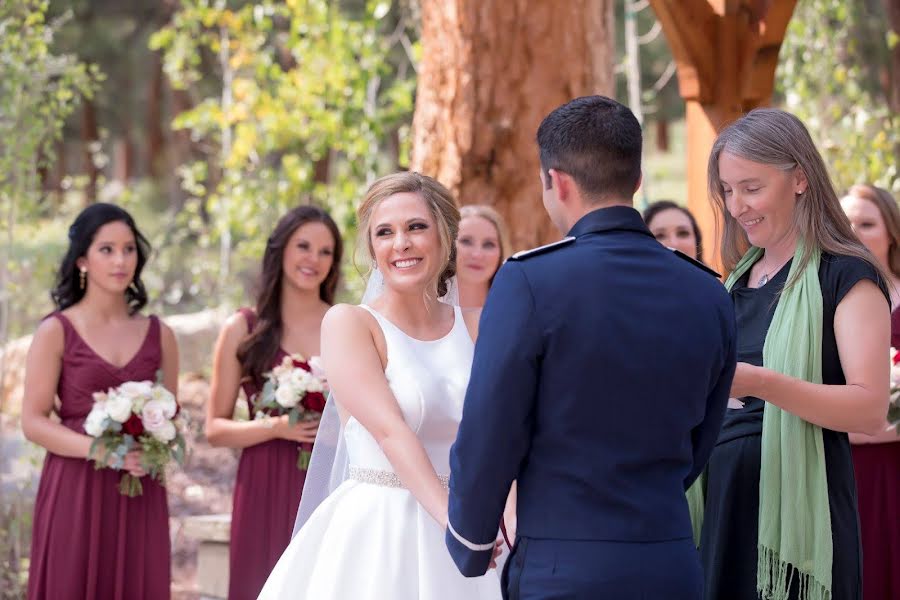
(542, 249)
(695, 262)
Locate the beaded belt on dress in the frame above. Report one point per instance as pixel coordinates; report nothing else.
(386, 478)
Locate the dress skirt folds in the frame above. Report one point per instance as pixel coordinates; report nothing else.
(88, 540)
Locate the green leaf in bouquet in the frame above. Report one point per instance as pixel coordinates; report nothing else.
(894, 415)
(266, 396)
(93, 453)
(159, 377)
(180, 450)
(303, 459)
(130, 486)
(294, 416)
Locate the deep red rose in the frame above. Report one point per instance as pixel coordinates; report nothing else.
(133, 426)
(314, 401)
(897, 357)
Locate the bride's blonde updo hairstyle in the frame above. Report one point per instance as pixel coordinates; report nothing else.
(440, 204)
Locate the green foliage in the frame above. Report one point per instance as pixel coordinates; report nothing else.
(833, 65)
(659, 88)
(16, 515)
(38, 90)
(299, 85)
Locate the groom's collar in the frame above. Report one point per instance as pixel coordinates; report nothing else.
(606, 219)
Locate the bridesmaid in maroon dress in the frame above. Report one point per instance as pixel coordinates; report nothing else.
(875, 218)
(300, 271)
(88, 540)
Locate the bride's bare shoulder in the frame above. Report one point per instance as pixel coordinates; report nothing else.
(349, 321)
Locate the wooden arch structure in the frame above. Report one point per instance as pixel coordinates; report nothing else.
(726, 53)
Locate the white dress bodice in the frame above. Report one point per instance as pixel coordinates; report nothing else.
(372, 540)
(428, 380)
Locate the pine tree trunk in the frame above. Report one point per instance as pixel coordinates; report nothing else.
(90, 135)
(155, 137)
(490, 71)
(662, 135)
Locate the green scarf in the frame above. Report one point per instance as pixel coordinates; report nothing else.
(794, 516)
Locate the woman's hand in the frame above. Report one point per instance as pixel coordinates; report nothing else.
(746, 381)
(133, 463)
(303, 431)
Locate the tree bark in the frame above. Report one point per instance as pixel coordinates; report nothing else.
(155, 136)
(181, 151)
(491, 70)
(90, 135)
(662, 135)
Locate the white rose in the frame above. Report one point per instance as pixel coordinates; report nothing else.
(314, 384)
(93, 425)
(166, 433)
(317, 367)
(118, 406)
(299, 380)
(286, 396)
(153, 416)
(166, 398)
(137, 391)
(282, 371)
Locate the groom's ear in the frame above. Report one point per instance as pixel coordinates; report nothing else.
(563, 183)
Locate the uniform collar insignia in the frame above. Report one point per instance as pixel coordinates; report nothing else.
(542, 249)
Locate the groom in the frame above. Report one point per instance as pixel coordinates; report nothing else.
(600, 380)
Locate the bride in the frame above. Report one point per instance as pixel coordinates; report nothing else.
(398, 368)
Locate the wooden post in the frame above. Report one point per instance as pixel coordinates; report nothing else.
(726, 52)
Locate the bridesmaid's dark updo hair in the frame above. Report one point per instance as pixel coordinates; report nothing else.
(67, 290)
(260, 348)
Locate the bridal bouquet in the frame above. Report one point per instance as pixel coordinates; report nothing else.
(894, 406)
(295, 388)
(136, 415)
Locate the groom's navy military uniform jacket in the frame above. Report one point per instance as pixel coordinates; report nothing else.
(600, 380)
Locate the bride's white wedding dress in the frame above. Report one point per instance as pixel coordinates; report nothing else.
(370, 539)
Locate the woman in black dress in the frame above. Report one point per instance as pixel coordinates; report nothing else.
(774, 196)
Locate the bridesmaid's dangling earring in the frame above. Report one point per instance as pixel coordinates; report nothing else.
(82, 278)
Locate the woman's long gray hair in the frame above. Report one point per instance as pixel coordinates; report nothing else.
(777, 138)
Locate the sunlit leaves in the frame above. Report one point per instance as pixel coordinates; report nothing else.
(298, 82)
(831, 75)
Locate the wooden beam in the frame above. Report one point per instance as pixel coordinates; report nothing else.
(775, 22)
(689, 27)
(726, 52)
(759, 76)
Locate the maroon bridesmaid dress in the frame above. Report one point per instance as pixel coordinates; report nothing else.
(266, 496)
(877, 469)
(88, 541)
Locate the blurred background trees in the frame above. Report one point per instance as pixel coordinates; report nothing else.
(208, 118)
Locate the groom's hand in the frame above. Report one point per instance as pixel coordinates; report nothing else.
(498, 548)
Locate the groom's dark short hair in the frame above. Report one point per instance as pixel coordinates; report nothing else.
(597, 142)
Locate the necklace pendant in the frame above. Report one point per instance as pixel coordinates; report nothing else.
(762, 280)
